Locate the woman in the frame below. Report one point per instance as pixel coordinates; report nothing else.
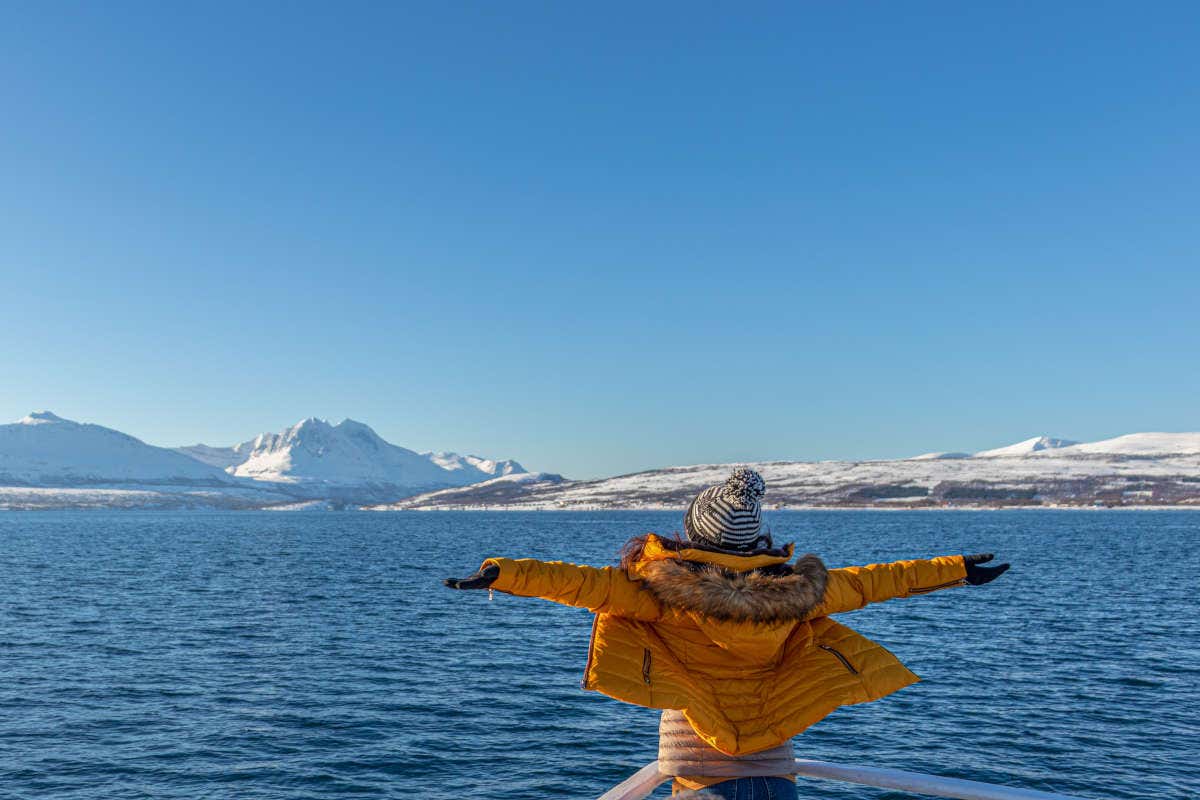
(731, 637)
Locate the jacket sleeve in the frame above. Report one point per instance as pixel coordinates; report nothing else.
(850, 588)
(605, 590)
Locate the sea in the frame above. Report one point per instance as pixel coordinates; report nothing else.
(317, 655)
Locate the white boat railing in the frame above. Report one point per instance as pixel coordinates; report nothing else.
(644, 781)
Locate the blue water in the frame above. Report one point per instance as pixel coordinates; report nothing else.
(259, 655)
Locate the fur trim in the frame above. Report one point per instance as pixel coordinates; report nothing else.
(770, 594)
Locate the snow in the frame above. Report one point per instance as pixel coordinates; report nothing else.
(1034, 445)
(135, 496)
(479, 468)
(495, 488)
(40, 418)
(314, 452)
(312, 460)
(44, 448)
(1142, 444)
(47, 461)
(347, 454)
(304, 505)
(799, 484)
(225, 458)
(935, 456)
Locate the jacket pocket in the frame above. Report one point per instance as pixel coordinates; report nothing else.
(838, 655)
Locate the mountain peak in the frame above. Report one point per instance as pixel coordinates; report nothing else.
(41, 418)
(352, 425)
(1024, 448)
(470, 463)
(43, 448)
(363, 435)
(1144, 444)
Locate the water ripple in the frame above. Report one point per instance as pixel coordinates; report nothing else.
(316, 655)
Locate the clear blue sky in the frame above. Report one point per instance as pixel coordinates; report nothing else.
(607, 238)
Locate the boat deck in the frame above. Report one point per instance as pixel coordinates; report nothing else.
(648, 778)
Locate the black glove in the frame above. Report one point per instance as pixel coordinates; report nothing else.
(977, 575)
(480, 580)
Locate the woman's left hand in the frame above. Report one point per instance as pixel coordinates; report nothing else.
(977, 575)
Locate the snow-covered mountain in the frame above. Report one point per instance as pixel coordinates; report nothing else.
(1141, 444)
(47, 462)
(224, 458)
(1131, 444)
(43, 454)
(1035, 445)
(349, 453)
(269, 451)
(313, 456)
(313, 452)
(45, 449)
(479, 469)
(1143, 469)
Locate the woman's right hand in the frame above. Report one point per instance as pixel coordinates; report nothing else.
(480, 580)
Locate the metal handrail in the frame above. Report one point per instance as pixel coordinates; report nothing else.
(638, 785)
(645, 780)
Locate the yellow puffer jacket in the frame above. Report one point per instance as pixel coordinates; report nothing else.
(742, 644)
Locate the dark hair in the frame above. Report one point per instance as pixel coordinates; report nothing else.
(631, 551)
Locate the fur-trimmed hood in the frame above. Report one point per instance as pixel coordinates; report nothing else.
(757, 587)
(769, 594)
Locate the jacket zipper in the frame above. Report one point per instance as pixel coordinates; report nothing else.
(587, 668)
(646, 665)
(845, 661)
(927, 589)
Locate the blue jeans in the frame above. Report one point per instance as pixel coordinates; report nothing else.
(754, 789)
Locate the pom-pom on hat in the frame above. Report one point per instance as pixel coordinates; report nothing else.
(728, 515)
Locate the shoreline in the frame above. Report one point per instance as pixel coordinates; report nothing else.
(680, 510)
(511, 510)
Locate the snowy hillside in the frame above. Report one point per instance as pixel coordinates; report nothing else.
(134, 495)
(1142, 444)
(352, 454)
(1027, 447)
(45, 449)
(937, 456)
(495, 491)
(49, 462)
(474, 467)
(225, 458)
(347, 464)
(1134, 470)
(312, 453)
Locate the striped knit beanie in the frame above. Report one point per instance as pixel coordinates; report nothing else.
(728, 515)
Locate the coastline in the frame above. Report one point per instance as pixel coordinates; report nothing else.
(893, 508)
